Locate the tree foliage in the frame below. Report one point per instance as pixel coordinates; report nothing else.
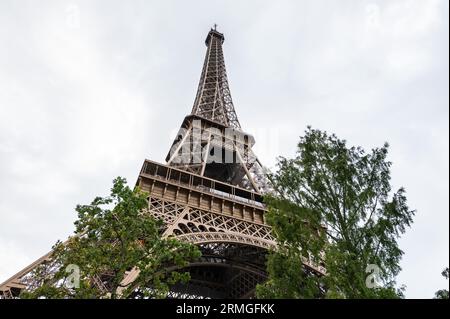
(113, 235)
(334, 205)
(443, 293)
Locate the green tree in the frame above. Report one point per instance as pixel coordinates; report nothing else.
(113, 235)
(442, 293)
(334, 206)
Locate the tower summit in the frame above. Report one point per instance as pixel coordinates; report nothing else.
(211, 141)
(213, 100)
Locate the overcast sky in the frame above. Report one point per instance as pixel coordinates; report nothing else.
(89, 89)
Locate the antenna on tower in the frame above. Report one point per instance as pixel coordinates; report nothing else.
(215, 27)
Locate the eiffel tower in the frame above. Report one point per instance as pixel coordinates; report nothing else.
(208, 193)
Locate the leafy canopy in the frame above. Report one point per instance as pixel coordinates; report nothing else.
(442, 293)
(114, 234)
(334, 205)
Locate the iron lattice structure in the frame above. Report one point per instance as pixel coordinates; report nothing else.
(213, 100)
(209, 193)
